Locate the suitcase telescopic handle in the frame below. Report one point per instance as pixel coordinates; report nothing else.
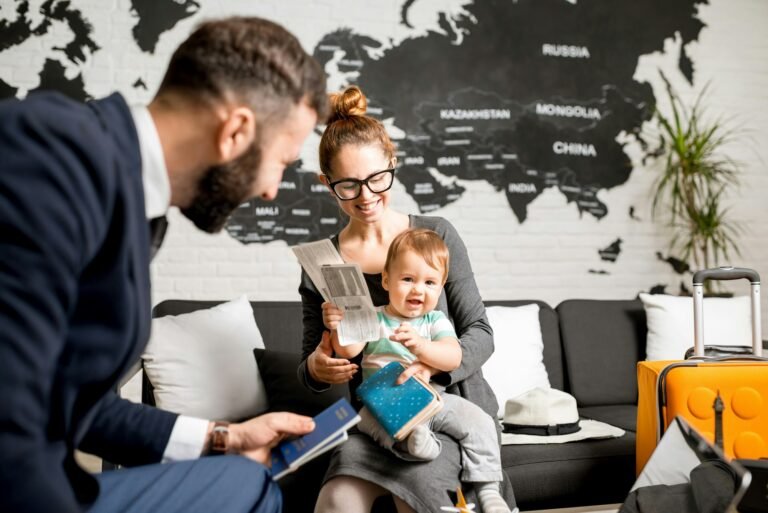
(725, 273)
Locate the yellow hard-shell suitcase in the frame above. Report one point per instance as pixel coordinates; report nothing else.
(690, 387)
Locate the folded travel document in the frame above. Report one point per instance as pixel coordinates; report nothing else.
(398, 408)
(330, 430)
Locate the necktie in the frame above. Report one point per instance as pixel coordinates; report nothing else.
(157, 229)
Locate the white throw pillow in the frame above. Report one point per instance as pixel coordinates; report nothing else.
(201, 364)
(517, 364)
(727, 321)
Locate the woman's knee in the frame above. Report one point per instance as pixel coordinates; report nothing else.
(345, 494)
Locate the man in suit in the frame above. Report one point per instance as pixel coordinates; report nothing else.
(77, 185)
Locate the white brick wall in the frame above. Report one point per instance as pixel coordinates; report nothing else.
(547, 257)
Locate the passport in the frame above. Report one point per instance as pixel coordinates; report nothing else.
(398, 408)
(331, 427)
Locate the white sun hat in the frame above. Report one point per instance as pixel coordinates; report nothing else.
(549, 416)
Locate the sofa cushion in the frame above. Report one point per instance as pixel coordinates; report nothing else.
(199, 363)
(619, 415)
(279, 323)
(602, 342)
(516, 365)
(728, 322)
(550, 333)
(285, 392)
(572, 474)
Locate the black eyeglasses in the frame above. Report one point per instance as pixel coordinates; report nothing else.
(350, 188)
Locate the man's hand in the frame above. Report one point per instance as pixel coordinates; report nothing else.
(406, 335)
(416, 369)
(256, 437)
(326, 369)
(332, 315)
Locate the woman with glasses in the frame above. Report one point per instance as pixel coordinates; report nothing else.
(357, 161)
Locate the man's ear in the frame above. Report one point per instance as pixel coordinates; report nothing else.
(237, 131)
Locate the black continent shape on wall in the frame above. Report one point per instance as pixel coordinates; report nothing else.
(52, 76)
(611, 252)
(6, 90)
(83, 41)
(404, 13)
(304, 211)
(677, 265)
(17, 31)
(156, 17)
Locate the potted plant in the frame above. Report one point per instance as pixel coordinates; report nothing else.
(694, 179)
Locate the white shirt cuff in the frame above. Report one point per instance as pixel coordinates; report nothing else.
(187, 439)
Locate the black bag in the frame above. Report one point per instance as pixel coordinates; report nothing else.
(711, 490)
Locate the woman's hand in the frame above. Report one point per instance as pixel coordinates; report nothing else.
(332, 315)
(323, 367)
(417, 369)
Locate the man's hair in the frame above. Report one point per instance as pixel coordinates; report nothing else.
(249, 60)
(425, 243)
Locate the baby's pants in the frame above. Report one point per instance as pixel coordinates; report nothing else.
(465, 422)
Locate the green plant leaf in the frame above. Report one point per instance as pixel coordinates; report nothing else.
(694, 178)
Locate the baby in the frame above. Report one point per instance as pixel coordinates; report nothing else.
(411, 330)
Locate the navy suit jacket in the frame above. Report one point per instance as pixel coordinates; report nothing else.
(74, 299)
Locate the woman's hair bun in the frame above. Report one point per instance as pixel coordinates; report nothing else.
(348, 103)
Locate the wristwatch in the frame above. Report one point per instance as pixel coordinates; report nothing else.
(219, 438)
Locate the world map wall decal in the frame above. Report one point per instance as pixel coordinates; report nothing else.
(526, 96)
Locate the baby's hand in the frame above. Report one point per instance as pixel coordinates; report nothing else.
(332, 315)
(406, 335)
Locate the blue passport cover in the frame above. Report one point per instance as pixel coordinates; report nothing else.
(393, 405)
(278, 464)
(328, 424)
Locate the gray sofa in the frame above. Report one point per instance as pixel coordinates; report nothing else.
(591, 348)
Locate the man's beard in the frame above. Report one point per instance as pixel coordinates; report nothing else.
(222, 189)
